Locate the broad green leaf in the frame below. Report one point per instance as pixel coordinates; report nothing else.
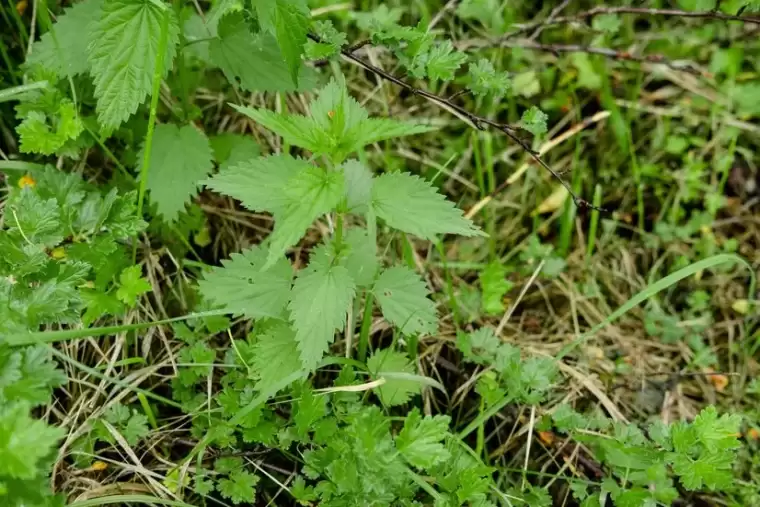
(712, 470)
(242, 287)
(395, 390)
(122, 49)
(293, 128)
(69, 57)
(534, 121)
(260, 183)
(410, 204)
(358, 186)
(402, 296)
(275, 355)
(310, 193)
(360, 257)
(288, 21)
(233, 149)
(180, 158)
(321, 296)
(253, 61)
(421, 439)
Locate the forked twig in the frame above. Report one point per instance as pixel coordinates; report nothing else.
(476, 121)
(598, 11)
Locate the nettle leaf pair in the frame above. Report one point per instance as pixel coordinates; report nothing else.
(259, 282)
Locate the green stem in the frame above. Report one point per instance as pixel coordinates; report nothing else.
(157, 71)
(366, 324)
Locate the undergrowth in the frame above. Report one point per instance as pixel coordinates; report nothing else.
(268, 252)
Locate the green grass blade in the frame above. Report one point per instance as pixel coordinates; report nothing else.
(127, 499)
(21, 339)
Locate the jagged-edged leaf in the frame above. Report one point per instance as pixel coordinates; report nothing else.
(24, 441)
(180, 158)
(233, 149)
(318, 308)
(69, 57)
(309, 194)
(260, 183)
(358, 186)
(411, 204)
(360, 258)
(253, 61)
(122, 48)
(242, 287)
(47, 133)
(421, 441)
(402, 296)
(337, 124)
(288, 21)
(275, 355)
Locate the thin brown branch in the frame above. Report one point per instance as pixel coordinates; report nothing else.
(613, 54)
(477, 122)
(646, 11)
(552, 15)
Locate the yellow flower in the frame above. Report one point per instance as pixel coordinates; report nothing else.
(26, 181)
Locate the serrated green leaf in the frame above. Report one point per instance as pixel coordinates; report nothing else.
(331, 41)
(494, 286)
(24, 442)
(243, 287)
(27, 375)
(288, 21)
(233, 149)
(395, 391)
(479, 346)
(310, 194)
(308, 408)
(260, 184)
(484, 79)
(534, 121)
(180, 158)
(410, 204)
(275, 356)
(47, 133)
(132, 285)
(358, 186)
(69, 57)
(321, 295)
(717, 433)
(403, 299)
(443, 61)
(360, 257)
(337, 125)
(713, 470)
(38, 219)
(420, 441)
(239, 488)
(253, 61)
(121, 50)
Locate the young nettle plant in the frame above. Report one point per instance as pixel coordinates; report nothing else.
(259, 283)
